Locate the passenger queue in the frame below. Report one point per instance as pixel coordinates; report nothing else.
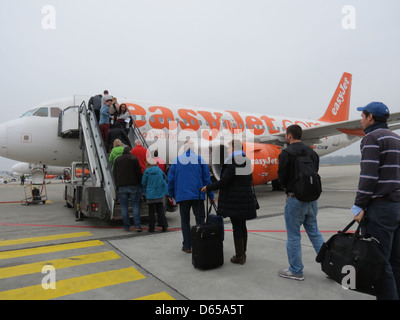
(377, 200)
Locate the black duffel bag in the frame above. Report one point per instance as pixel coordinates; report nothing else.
(346, 249)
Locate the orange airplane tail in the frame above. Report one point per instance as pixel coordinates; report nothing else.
(339, 107)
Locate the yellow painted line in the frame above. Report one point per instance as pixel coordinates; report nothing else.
(157, 296)
(74, 285)
(57, 264)
(44, 238)
(49, 249)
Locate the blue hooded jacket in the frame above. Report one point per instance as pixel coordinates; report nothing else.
(154, 183)
(188, 173)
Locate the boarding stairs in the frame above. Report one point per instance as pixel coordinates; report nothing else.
(92, 142)
(92, 146)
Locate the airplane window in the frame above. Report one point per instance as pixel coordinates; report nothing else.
(42, 112)
(54, 112)
(28, 113)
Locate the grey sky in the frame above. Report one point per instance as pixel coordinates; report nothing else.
(280, 57)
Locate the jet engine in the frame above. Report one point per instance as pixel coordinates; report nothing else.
(264, 160)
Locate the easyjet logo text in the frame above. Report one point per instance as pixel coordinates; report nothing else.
(265, 162)
(340, 98)
(158, 117)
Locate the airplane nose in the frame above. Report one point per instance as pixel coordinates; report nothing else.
(3, 141)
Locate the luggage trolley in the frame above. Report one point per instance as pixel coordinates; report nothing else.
(35, 194)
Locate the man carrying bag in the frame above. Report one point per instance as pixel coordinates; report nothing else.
(378, 195)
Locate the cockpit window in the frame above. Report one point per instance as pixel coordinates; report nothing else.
(28, 113)
(42, 112)
(38, 112)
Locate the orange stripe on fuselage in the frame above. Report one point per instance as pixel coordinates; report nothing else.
(158, 117)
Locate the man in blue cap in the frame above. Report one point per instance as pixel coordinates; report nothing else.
(378, 194)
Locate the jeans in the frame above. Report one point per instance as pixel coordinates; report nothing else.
(299, 213)
(130, 192)
(162, 220)
(383, 223)
(184, 210)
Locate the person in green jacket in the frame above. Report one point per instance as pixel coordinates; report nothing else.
(118, 149)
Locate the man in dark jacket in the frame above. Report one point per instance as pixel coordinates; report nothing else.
(128, 179)
(297, 212)
(95, 105)
(378, 195)
(236, 198)
(117, 132)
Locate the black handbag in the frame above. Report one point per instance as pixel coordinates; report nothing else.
(347, 251)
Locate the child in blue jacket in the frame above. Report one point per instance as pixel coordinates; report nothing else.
(154, 183)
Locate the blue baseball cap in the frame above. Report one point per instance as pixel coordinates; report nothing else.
(377, 109)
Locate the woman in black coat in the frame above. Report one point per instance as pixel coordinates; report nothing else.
(236, 198)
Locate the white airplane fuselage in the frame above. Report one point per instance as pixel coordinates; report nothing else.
(35, 139)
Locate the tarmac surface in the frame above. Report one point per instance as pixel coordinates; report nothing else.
(94, 259)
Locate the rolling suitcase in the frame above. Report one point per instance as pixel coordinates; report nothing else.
(207, 244)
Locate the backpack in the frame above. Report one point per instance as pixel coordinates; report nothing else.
(95, 102)
(307, 185)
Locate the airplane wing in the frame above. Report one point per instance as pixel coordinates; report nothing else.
(350, 127)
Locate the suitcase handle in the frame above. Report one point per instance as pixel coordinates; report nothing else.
(208, 211)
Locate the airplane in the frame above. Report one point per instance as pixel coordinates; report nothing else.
(34, 137)
(39, 173)
(22, 168)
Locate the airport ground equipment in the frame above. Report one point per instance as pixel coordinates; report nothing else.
(34, 194)
(91, 190)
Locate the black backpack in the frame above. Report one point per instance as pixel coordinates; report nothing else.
(307, 185)
(95, 102)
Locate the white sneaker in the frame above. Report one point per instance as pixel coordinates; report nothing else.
(286, 273)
